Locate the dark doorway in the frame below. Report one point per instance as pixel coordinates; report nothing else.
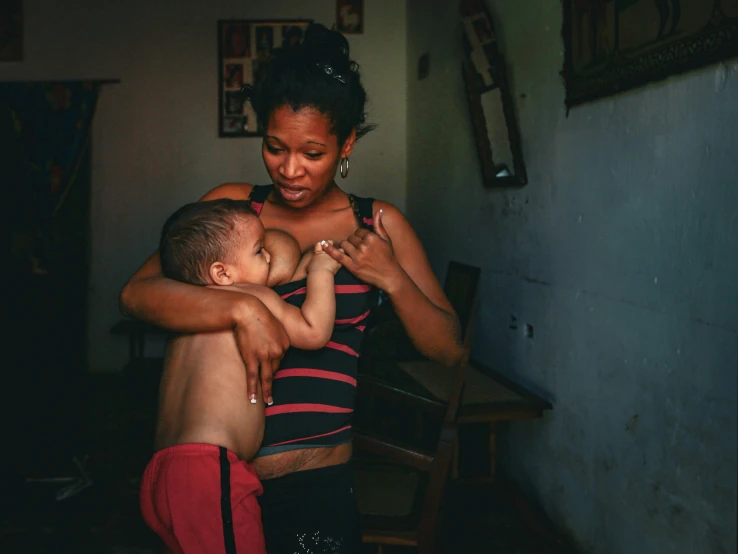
(44, 407)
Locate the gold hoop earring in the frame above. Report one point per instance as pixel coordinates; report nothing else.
(343, 167)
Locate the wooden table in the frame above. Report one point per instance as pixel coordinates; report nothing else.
(488, 397)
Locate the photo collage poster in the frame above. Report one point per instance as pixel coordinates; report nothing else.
(244, 46)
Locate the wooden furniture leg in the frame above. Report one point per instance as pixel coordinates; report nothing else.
(492, 447)
(418, 425)
(455, 461)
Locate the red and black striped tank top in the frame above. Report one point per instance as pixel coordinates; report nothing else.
(314, 391)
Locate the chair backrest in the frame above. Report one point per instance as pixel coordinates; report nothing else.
(457, 386)
(460, 287)
(462, 281)
(438, 474)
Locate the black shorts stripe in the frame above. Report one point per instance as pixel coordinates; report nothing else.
(229, 537)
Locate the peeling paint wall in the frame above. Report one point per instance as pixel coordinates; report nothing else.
(621, 254)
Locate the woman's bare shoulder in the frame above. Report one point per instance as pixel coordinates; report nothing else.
(390, 213)
(384, 206)
(236, 191)
(396, 224)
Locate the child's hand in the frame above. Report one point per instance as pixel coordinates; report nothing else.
(322, 261)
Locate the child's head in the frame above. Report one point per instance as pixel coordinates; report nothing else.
(216, 242)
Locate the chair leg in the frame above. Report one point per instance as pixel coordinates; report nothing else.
(492, 448)
(419, 425)
(425, 548)
(455, 461)
(370, 406)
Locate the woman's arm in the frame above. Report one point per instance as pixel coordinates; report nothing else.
(393, 259)
(191, 309)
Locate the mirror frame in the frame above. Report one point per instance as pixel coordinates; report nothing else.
(473, 82)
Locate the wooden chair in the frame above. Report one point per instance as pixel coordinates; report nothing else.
(390, 364)
(386, 340)
(400, 490)
(400, 485)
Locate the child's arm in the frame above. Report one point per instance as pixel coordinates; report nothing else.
(318, 313)
(311, 327)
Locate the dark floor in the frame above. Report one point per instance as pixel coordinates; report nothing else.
(103, 518)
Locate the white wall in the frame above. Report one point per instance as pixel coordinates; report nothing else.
(622, 253)
(155, 143)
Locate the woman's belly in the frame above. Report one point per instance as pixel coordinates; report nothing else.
(282, 463)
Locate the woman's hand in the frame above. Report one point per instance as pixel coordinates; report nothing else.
(262, 341)
(369, 256)
(400, 267)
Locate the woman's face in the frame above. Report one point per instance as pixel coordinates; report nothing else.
(301, 154)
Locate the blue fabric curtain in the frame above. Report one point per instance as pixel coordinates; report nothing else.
(52, 122)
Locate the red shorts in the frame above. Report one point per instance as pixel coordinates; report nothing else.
(202, 498)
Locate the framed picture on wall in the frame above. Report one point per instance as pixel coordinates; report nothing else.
(350, 17)
(611, 47)
(243, 47)
(11, 31)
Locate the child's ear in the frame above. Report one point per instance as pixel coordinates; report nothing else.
(220, 274)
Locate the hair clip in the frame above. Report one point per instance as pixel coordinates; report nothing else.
(328, 70)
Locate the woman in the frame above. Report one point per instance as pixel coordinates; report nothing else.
(311, 105)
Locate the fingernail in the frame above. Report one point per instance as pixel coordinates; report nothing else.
(381, 211)
(253, 399)
(270, 401)
(323, 243)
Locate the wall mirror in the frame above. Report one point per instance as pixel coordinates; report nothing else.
(490, 102)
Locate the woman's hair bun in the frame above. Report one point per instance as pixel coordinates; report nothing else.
(327, 46)
(317, 73)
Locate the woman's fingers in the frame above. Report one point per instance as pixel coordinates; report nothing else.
(267, 376)
(338, 254)
(268, 398)
(261, 371)
(262, 342)
(366, 253)
(352, 252)
(252, 378)
(268, 366)
(354, 240)
(379, 226)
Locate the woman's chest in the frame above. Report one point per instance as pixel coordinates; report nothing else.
(336, 226)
